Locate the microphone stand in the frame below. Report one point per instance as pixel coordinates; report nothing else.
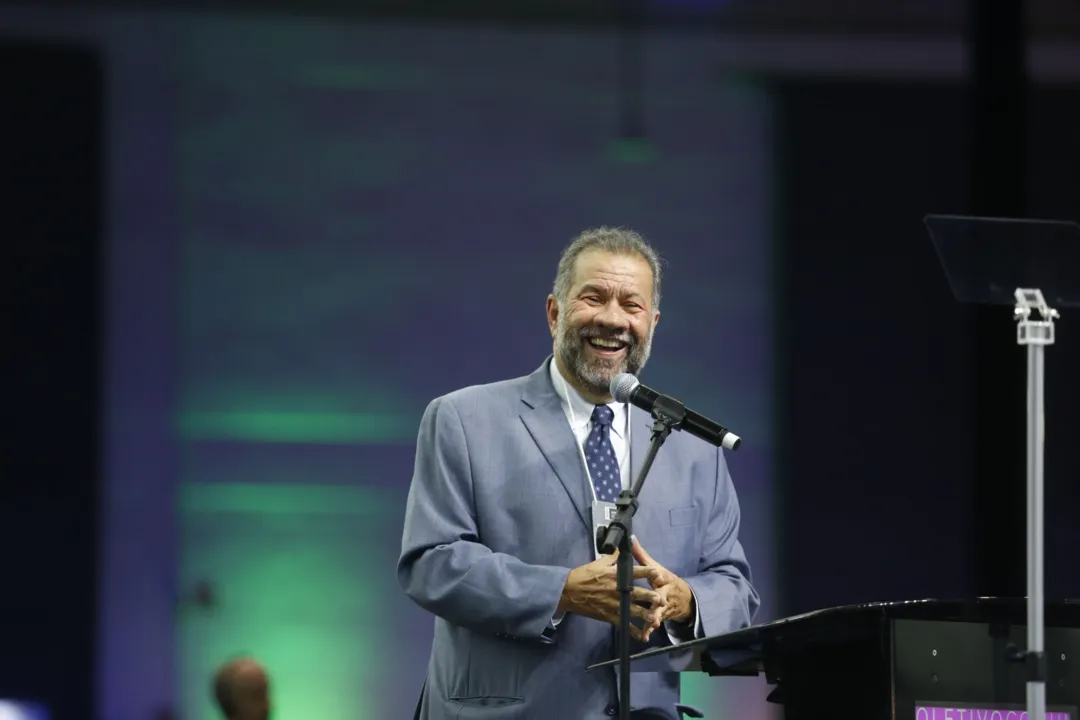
(668, 415)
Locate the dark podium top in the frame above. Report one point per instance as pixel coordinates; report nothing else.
(890, 659)
(740, 652)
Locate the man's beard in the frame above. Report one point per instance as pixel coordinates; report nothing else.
(595, 373)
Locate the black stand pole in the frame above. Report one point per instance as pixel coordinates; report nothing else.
(668, 414)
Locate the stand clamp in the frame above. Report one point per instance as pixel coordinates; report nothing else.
(1029, 331)
(1034, 662)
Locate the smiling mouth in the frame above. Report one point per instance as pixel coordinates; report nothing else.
(604, 346)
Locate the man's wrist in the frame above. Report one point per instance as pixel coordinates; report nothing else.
(566, 602)
(684, 603)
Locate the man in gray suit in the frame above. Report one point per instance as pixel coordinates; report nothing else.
(510, 481)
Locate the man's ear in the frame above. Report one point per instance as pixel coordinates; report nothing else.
(552, 314)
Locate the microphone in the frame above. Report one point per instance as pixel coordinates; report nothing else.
(626, 388)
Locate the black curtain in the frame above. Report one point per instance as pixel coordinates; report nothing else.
(888, 408)
(51, 184)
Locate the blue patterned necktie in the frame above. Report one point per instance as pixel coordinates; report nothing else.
(600, 455)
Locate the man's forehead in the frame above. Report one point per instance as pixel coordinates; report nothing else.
(601, 266)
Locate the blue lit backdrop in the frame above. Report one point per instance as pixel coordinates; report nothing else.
(316, 228)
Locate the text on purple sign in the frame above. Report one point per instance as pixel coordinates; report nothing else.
(953, 713)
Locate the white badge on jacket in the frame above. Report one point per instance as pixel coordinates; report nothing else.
(602, 515)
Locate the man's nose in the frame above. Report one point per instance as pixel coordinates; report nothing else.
(612, 316)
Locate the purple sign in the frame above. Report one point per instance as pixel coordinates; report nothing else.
(929, 712)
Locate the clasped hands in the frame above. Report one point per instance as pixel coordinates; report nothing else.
(591, 590)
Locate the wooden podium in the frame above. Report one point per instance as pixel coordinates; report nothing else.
(913, 660)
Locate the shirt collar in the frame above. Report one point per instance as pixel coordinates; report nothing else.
(581, 408)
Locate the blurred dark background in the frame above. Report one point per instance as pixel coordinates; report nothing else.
(894, 467)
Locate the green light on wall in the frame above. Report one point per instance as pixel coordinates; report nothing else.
(358, 76)
(277, 499)
(292, 568)
(329, 428)
(631, 151)
(278, 409)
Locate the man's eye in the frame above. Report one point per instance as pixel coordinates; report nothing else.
(591, 299)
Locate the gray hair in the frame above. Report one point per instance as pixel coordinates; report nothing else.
(619, 241)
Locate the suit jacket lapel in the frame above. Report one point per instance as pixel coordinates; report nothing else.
(546, 422)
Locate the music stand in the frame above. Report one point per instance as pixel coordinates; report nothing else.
(1033, 265)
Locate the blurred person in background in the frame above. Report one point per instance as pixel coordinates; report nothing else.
(510, 484)
(242, 690)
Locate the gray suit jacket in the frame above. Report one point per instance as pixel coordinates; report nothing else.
(498, 513)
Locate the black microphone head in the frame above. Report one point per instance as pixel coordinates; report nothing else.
(621, 386)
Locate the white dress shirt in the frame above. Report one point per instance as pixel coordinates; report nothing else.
(578, 413)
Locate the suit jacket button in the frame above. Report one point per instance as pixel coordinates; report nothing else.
(611, 710)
